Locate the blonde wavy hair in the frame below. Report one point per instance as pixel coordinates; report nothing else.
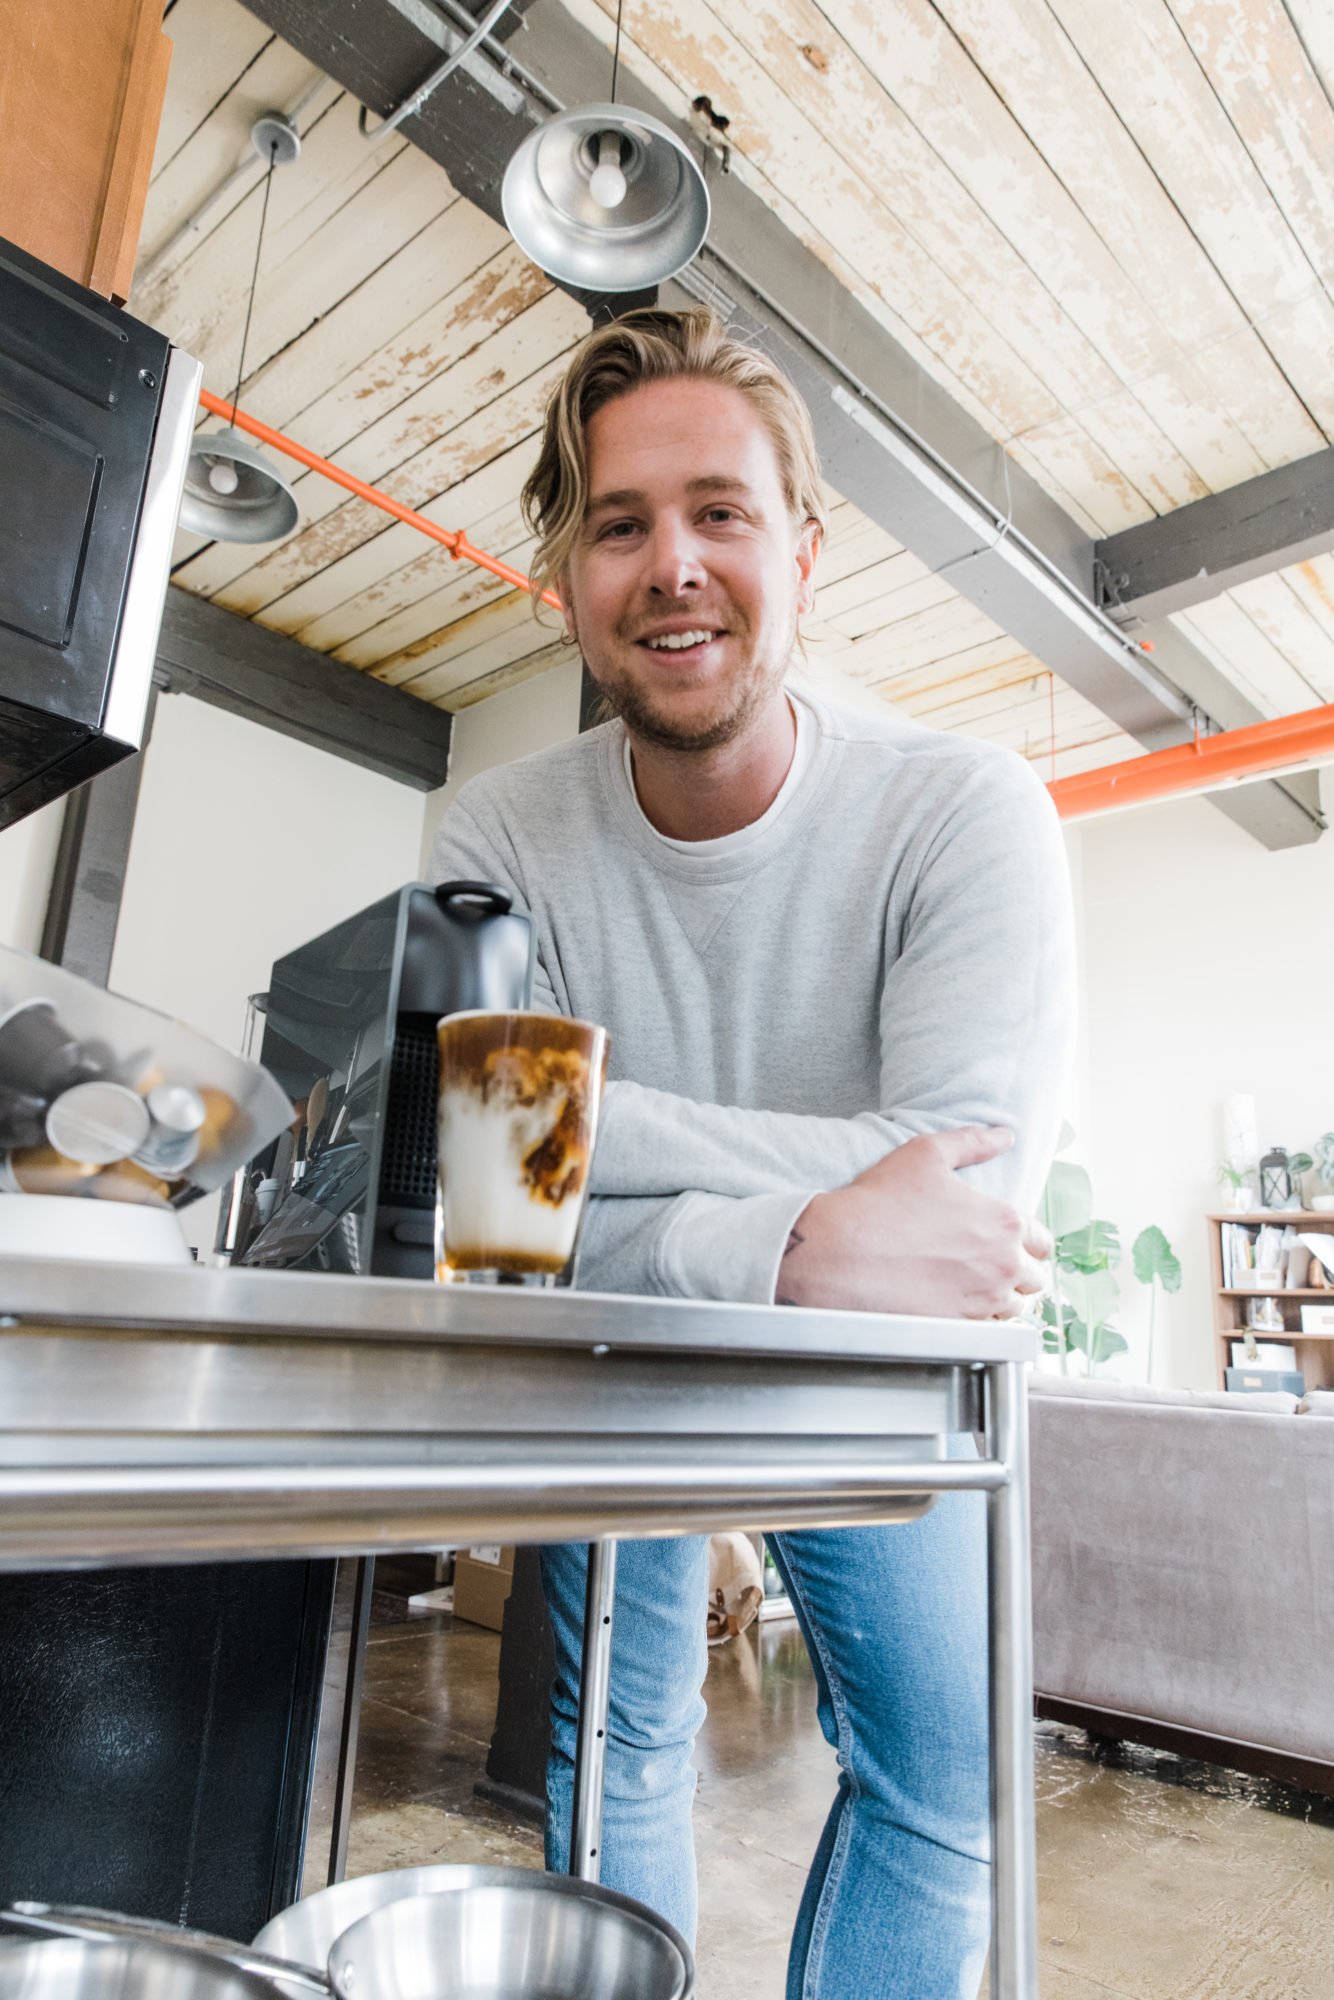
(653, 344)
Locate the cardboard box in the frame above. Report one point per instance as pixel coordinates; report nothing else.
(1250, 1380)
(483, 1576)
(1318, 1319)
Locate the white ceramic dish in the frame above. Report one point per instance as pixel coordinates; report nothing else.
(110, 1232)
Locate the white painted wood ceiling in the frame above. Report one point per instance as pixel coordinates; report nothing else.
(1107, 231)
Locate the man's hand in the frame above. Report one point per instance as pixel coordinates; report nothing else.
(908, 1236)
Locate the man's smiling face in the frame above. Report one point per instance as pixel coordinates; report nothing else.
(689, 573)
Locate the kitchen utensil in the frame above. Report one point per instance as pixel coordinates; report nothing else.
(493, 1934)
(528, 1937)
(330, 1187)
(81, 1969)
(96, 1123)
(105, 1928)
(316, 1107)
(37, 1053)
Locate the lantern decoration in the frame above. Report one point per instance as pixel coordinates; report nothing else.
(1275, 1179)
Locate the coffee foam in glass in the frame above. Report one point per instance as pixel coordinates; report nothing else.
(518, 1108)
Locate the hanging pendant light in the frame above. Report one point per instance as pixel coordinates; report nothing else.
(606, 198)
(233, 491)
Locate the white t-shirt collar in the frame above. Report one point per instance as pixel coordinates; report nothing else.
(727, 844)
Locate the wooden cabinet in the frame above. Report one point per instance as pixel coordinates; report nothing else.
(81, 89)
(1315, 1351)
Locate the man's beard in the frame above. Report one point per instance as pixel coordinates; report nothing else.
(653, 724)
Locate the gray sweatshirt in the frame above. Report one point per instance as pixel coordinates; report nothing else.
(888, 952)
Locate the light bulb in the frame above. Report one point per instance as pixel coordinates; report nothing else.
(222, 476)
(607, 182)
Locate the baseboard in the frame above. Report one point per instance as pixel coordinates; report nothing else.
(1258, 1760)
(523, 1805)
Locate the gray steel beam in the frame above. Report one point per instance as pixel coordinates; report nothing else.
(893, 440)
(83, 908)
(239, 665)
(1198, 551)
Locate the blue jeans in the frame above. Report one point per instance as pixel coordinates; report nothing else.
(896, 1905)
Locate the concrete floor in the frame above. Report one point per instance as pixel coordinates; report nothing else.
(1159, 1880)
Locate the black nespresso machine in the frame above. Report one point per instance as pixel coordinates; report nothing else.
(349, 1032)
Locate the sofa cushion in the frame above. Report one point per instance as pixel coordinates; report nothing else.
(1318, 1403)
(1274, 1401)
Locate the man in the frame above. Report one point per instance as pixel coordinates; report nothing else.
(834, 956)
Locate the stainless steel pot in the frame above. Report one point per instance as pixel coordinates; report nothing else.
(305, 1932)
(80, 1969)
(484, 1934)
(533, 1937)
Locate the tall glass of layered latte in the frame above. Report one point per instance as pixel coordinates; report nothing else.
(519, 1102)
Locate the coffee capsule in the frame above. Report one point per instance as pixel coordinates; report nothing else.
(42, 1170)
(127, 1181)
(96, 1123)
(37, 1055)
(220, 1111)
(178, 1112)
(22, 1119)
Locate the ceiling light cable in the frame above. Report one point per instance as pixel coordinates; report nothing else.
(435, 79)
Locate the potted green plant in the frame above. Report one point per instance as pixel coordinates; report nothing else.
(1086, 1287)
(1236, 1181)
(1324, 1166)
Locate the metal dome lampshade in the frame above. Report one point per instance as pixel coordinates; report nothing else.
(606, 198)
(233, 492)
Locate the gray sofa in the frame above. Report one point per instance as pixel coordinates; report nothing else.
(1183, 1571)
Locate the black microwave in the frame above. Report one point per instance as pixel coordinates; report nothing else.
(96, 415)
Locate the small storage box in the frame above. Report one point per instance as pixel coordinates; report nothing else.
(483, 1578)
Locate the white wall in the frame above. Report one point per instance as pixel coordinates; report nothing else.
(245, 844)
(27, 859)
(1208, 965)
(505, 726)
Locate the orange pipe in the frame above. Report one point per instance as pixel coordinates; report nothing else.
(454, 540)
(1289, 741)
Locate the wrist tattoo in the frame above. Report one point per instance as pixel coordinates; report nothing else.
(780, 1301)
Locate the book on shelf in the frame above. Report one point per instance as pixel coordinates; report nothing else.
(1264, 1256)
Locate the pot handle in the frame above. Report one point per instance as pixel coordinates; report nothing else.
(76, 1921)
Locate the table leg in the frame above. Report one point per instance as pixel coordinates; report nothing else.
(590, 1753)
(1014, 1973)
(351, 1717)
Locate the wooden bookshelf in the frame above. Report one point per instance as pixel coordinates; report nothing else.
(1315, 1351)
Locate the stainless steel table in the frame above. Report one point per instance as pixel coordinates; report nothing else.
(154, 1414)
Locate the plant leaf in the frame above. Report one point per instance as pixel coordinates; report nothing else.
(1110, 1343)
(1067, 1199)
(1094, 1295)
(1095, 1247)
(1154, 1257)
